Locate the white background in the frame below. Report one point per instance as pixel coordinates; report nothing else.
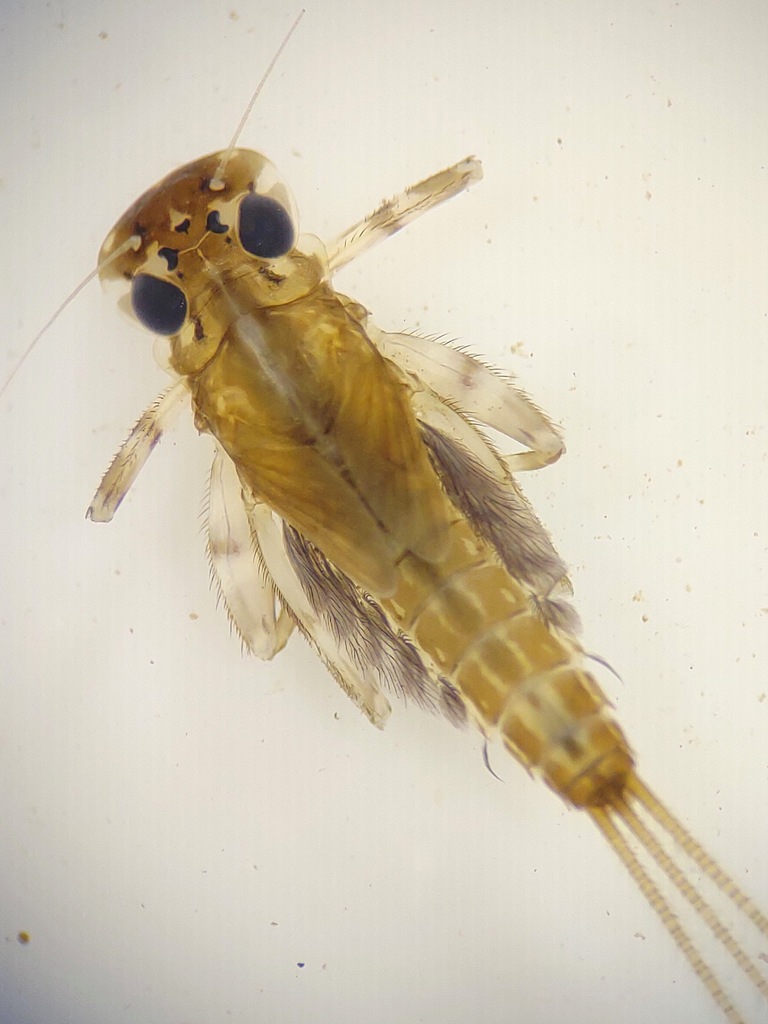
(182, 826)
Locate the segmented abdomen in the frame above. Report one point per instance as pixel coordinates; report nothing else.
(520, 679)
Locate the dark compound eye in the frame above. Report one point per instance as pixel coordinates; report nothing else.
(264, 227)
(159, 305)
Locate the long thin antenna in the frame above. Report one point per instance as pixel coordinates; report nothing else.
(217, 181)
(129, 243)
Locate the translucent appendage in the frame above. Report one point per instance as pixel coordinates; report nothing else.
(238, 567)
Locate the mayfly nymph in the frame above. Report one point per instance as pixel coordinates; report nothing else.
(353, 497)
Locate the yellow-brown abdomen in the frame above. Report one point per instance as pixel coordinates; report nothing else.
(520, 678)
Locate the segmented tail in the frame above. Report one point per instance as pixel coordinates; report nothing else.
(636, 820)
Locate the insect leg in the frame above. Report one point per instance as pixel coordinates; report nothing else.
(358, 680)
(134, 452)
(478, 391)
(238, 567)
(395, 213)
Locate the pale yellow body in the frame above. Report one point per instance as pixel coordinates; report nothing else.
(351, 497)
(520, 679)
(321, 430)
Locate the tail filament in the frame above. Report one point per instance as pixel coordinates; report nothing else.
(626, 832)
